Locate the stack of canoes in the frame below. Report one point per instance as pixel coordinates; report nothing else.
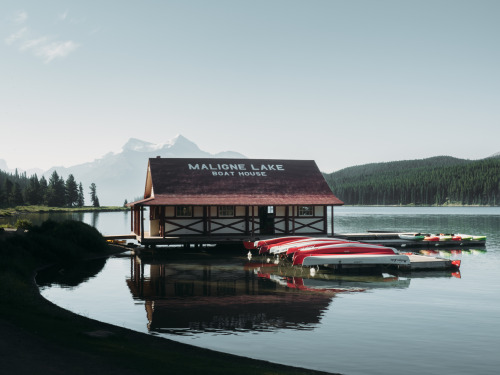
(440, 237)
(308, 251)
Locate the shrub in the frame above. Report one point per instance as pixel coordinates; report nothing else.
(23, 224)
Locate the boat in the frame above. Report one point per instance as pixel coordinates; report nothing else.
(249, 245)
(370, 259)
(264, 245)
(294, 248)
(445, 237)
(411, 236)
(275, 240)
(466, 237)
(310, 242)
(431, 237)
(342, 249)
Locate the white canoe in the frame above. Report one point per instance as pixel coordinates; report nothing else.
(357, 259)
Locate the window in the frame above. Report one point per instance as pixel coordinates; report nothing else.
(183, 211)
(306, 211)
(270, 209)
(226, 211)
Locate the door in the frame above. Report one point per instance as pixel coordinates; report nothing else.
(266, 219)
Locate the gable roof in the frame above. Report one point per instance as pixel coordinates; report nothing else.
(190, 181)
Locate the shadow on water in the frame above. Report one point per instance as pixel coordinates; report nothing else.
(70, 275)
(218, 292)
(227, 295)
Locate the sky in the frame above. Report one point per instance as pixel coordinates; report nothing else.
(340, 82)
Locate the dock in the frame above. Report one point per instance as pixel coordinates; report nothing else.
(426, 263)
(391, 239)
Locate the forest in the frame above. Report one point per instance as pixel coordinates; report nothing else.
(441, 180)
(18, 190)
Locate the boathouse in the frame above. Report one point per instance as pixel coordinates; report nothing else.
(217, 200)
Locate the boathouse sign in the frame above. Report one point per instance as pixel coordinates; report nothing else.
(237, 169)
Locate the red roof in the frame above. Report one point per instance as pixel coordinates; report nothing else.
(184, 181)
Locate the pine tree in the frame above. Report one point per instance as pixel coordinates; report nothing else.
(32, 193)
(81, 198)
(8, 186)
(44, 187)
(71, 190)
(93, 195)
(16, 195)
(56, 191)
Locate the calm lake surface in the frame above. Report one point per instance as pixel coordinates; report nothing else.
(423, 323)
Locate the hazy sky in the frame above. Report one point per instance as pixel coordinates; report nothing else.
(341, 82)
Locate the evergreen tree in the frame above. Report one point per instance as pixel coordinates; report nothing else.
(81, 198)
(32, 193)
(3, 198)
(56, 191)
(44, 187)
(93, 195)
(16, 195)
(8, 186)
(71, 190)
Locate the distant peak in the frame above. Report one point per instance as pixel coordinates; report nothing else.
(134, 144)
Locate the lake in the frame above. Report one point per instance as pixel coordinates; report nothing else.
(421, 323)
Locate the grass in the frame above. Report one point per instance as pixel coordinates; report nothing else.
(83, 344)
(10, 211)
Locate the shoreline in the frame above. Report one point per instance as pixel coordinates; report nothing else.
(39, 335)
(21, 210)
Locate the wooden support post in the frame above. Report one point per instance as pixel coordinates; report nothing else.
(142, 223)
(332, 222)
(209, 224)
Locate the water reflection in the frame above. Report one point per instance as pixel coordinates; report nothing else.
(70, 275)
(230, 295)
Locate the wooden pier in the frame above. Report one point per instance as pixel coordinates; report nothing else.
(389, 239)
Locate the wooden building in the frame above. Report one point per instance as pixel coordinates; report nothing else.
(215, 200)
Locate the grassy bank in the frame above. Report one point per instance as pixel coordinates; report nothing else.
(39, 336)
(11, 211)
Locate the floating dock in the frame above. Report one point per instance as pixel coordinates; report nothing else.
(426, 263)
(391, 239)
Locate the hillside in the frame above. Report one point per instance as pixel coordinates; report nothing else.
(433, 181)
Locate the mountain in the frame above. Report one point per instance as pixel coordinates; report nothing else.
(120, 176)
(29, 172)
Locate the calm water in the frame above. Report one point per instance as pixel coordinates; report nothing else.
(425, 323)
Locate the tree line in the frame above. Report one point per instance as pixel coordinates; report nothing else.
(433, 181)
(19, 189)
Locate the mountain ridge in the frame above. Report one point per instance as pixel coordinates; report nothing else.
(437, 180)
(122, 175)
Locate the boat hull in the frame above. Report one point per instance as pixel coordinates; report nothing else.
(357, 259)
(342, 249)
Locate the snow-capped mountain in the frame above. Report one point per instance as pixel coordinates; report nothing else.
(120, 176)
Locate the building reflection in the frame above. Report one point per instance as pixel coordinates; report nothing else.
(186, 296)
